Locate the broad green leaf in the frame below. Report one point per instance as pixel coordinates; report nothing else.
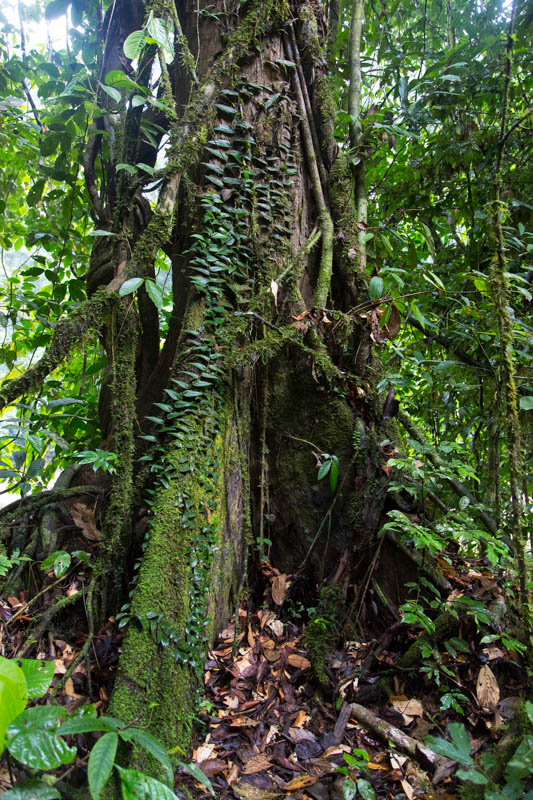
(137, 786)
(199, 775)
(112, 92)
(56, 9)
(118, 78)
(349, 789)
(101, 762)
(32, 790)
(161, 32)
(59, 561)
(334, 474)
(155, 294)
(458, 750)
(134, 44)
(50, 143)
(131, 170)
(38, 675)
(63, 401)
(526, 402)
(365, 789)
(32, 739)
(36, 191)
(13, 695)
(460, 738)
(55, 437)
(472, 775)
(130, 286)
(87, 724)
(529, 710)
(324, 469)
(152, 746)
(226, 109)
(375, 288)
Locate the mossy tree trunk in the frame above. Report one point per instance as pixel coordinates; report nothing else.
(221, 411)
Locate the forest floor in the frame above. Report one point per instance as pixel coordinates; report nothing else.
(268, 728)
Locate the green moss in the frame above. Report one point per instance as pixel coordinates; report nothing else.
(116, 540)
(323, 630)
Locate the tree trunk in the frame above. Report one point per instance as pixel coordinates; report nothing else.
(263, 374)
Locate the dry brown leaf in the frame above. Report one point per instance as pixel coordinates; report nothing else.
(487, 689)
(300, 734)
(397, 761)
(272, 655)
(300, 782)
(299, 661)
(69, 690)
(407, 708)
(280, 584)
(250, 637)
(276, 626)
(256, 764)
(249, 792)
(204, 752)
(408, 789)
(213, 766)
(300, 719)
(243, 722)
(493, 652)
(395, 323)
(83, 518)
(233, 774)
(274, 287)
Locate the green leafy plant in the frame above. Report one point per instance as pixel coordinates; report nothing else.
(355, 762)
(34, 737)
(329, 466)
(100, 459)
(518, 768)
(8, 562)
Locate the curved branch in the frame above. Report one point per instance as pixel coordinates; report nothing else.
(32, 502)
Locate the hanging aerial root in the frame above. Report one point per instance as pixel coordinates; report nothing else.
(326, 223)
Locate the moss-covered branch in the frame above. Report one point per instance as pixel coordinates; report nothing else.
(69, 332)
(356, 129)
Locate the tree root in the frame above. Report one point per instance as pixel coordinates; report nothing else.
(45, 620)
